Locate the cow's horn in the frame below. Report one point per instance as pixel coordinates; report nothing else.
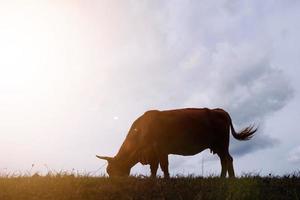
(104, 158)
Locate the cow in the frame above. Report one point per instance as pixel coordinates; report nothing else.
(156, 134)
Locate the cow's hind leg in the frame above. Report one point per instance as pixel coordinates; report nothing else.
(227, 164)
(153, 168)
(230, 166)
(164, 165)
(223, 160)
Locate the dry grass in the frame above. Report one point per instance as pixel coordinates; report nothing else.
(66, 186)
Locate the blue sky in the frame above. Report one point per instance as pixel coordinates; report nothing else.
(74, 75)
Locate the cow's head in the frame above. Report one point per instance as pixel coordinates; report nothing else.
(115, 168)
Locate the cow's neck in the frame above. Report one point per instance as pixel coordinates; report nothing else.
(127, 153)
(126, 160)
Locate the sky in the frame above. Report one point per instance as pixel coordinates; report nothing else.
(74, 75)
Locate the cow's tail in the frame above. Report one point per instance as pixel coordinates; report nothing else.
(245, 134)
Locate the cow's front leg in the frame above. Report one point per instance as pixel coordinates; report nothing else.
(164, 165)
(153, 168)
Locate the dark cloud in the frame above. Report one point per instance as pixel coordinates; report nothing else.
(259, 142)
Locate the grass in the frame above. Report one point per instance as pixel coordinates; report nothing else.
(69, 186)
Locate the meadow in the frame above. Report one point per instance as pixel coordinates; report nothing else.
(70, 186)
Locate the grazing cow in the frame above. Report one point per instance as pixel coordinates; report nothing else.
(156, 134)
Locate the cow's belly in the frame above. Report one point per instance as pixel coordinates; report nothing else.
(187, 150)
(185, 146)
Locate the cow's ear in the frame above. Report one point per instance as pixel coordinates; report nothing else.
(105, 158)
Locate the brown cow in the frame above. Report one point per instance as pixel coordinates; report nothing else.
(156, 134)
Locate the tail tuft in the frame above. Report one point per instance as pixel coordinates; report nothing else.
(245, 134)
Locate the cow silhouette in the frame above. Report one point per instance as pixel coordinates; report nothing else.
(156, 134)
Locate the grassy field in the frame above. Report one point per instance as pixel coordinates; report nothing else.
(86, 187)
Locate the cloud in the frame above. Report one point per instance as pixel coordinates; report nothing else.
(294, 155)
(259, 142)
(241, 80)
